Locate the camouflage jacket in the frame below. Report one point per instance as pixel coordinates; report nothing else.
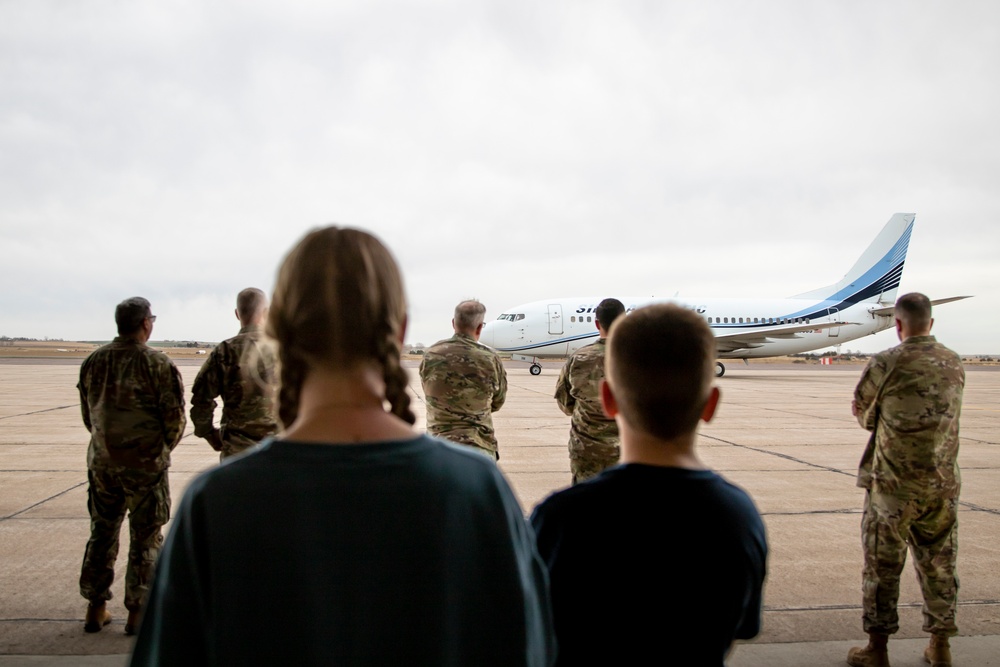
(132, 400)
(578, 392)
(464, 383)
(241, 371)
(910, 398)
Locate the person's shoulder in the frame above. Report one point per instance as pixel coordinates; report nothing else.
(237, 469)
(731, 489)
(590, 351)
(231, 349)
(440, 346)
(945, 352)
(879, 362)
(157, 357)
(484, 350)
(246, 336)
(454, 454)
(98, 354)
(463, 469)
(590, 492)
(922, 351)
(734, 501)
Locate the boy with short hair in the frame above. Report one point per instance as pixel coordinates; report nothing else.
(658, 559)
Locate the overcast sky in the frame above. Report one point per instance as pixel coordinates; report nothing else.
(510, 151)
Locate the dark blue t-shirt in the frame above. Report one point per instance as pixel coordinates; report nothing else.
(412, 552)
(652, 565)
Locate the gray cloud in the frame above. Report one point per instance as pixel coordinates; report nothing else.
(507, 150)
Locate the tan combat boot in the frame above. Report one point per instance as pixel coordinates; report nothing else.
(876, 654)
(97, 617)
(939, 652)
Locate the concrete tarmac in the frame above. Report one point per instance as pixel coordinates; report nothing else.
(784, 433)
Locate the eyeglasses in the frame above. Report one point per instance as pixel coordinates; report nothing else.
(151, 318)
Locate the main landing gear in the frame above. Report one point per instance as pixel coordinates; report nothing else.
(720, 370)
(535, 369)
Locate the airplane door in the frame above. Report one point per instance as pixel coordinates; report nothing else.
(834, 332)
(555, 318)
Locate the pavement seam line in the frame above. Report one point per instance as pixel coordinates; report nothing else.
(25, 414)
(42, 502)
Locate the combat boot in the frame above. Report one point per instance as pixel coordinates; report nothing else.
(876, 654)
(939, 652)
(132, 624)
(97, 617)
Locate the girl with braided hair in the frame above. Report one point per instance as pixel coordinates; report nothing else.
(350, 538)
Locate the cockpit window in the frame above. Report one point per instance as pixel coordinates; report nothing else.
(519, 316)
(511, 317)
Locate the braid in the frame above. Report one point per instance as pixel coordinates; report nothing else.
(293, 372)
(396, 380)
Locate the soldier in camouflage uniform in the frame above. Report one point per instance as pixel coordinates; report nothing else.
(464, 383)
(910, 398)
(241, 371)
(593, 436)
(132, 401)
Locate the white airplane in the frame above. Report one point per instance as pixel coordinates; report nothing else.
(861, 303)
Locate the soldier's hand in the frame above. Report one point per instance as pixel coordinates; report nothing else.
(215, 440)
(854, 408)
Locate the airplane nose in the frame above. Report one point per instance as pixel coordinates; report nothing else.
(486, 338)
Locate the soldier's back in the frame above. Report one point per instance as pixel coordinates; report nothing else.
(127, 387)
(462, 382)
(246, 365)
(919, 412)
(586, 371)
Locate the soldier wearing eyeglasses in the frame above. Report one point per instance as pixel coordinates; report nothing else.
(132, 402)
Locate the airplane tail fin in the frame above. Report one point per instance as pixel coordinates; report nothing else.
(875, 276)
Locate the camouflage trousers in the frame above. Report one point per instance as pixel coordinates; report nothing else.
(146, 498)
(930, 528)
(235, 443)
(588, 458)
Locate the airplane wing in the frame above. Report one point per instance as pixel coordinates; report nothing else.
(888, 310)
(747, 340)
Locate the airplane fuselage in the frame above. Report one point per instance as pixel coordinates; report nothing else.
(557, 327)
(859, 304)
